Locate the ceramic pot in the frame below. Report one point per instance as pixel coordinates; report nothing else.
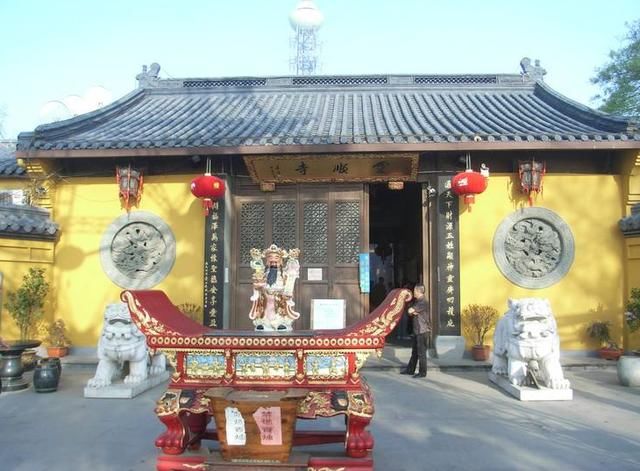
(609, 353)
(629, 370)
(57, 352)
(480, 352)
(56, 362)
(46, 376)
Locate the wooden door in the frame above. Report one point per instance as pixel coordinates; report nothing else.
(328, 223)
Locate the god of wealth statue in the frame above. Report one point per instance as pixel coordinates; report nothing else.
(273, 284)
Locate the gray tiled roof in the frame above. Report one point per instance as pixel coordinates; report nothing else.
(26, 221)
(10, 168)
(254, 112)
(8, 165)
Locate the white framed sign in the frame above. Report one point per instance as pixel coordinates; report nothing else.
(328, 314)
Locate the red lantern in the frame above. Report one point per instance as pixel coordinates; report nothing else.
(208, 187)
(468, 184)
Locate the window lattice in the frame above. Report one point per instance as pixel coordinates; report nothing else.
(455, 79)
(339, 81)
(284, 224)
(224, 83)
(316, 233)
(251, 229)
(347, 231)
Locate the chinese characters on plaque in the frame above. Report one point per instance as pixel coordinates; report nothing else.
(388, 166)
(448, 259)
(214, 265)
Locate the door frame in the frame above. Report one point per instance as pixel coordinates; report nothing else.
(429, 268)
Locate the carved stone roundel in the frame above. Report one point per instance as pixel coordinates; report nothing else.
(533, 247)
(137, 250)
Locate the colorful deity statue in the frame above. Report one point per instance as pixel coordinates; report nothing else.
(274, 276)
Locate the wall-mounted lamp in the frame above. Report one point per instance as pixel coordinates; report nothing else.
(130, 182)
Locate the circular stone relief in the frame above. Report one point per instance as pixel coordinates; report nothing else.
(533, 248)
(137, 250)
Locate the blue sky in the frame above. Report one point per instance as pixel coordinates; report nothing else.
(51, 49)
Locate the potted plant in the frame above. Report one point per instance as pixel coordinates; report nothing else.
(57, 342)
(478, 320)
(600, 330)
(629, 365)
(632, 315)
(25, 306)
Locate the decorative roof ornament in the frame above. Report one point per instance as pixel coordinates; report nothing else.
(533, 72)
(148, 78)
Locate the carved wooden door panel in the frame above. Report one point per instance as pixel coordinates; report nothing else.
(326, 222)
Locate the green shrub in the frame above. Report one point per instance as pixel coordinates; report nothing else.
(478, 320)
(25, 304)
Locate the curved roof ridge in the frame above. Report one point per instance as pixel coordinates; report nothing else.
(77, 123)
(583, 113)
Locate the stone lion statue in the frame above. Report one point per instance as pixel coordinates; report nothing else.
(526, 345)
(121, 342)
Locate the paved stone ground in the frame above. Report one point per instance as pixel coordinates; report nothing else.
(453, 420)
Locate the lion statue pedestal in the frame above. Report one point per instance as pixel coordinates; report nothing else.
(526, 353)
(121, 342)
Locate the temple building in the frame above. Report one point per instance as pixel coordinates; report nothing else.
(371, 177)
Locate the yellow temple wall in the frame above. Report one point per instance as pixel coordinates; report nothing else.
(594, 287)
(16, 257)
(84, 208)
(605, 266)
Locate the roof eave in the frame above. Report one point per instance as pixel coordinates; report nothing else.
(77, 123)
(28, 236)
(612, 123)
(332, 148)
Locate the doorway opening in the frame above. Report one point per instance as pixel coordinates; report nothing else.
(395, 245)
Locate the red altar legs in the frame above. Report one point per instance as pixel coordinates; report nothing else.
(323, 366)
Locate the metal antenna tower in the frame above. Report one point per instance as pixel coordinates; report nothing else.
(305, 20)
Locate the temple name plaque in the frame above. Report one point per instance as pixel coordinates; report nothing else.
(313, 168)
(328, 314)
